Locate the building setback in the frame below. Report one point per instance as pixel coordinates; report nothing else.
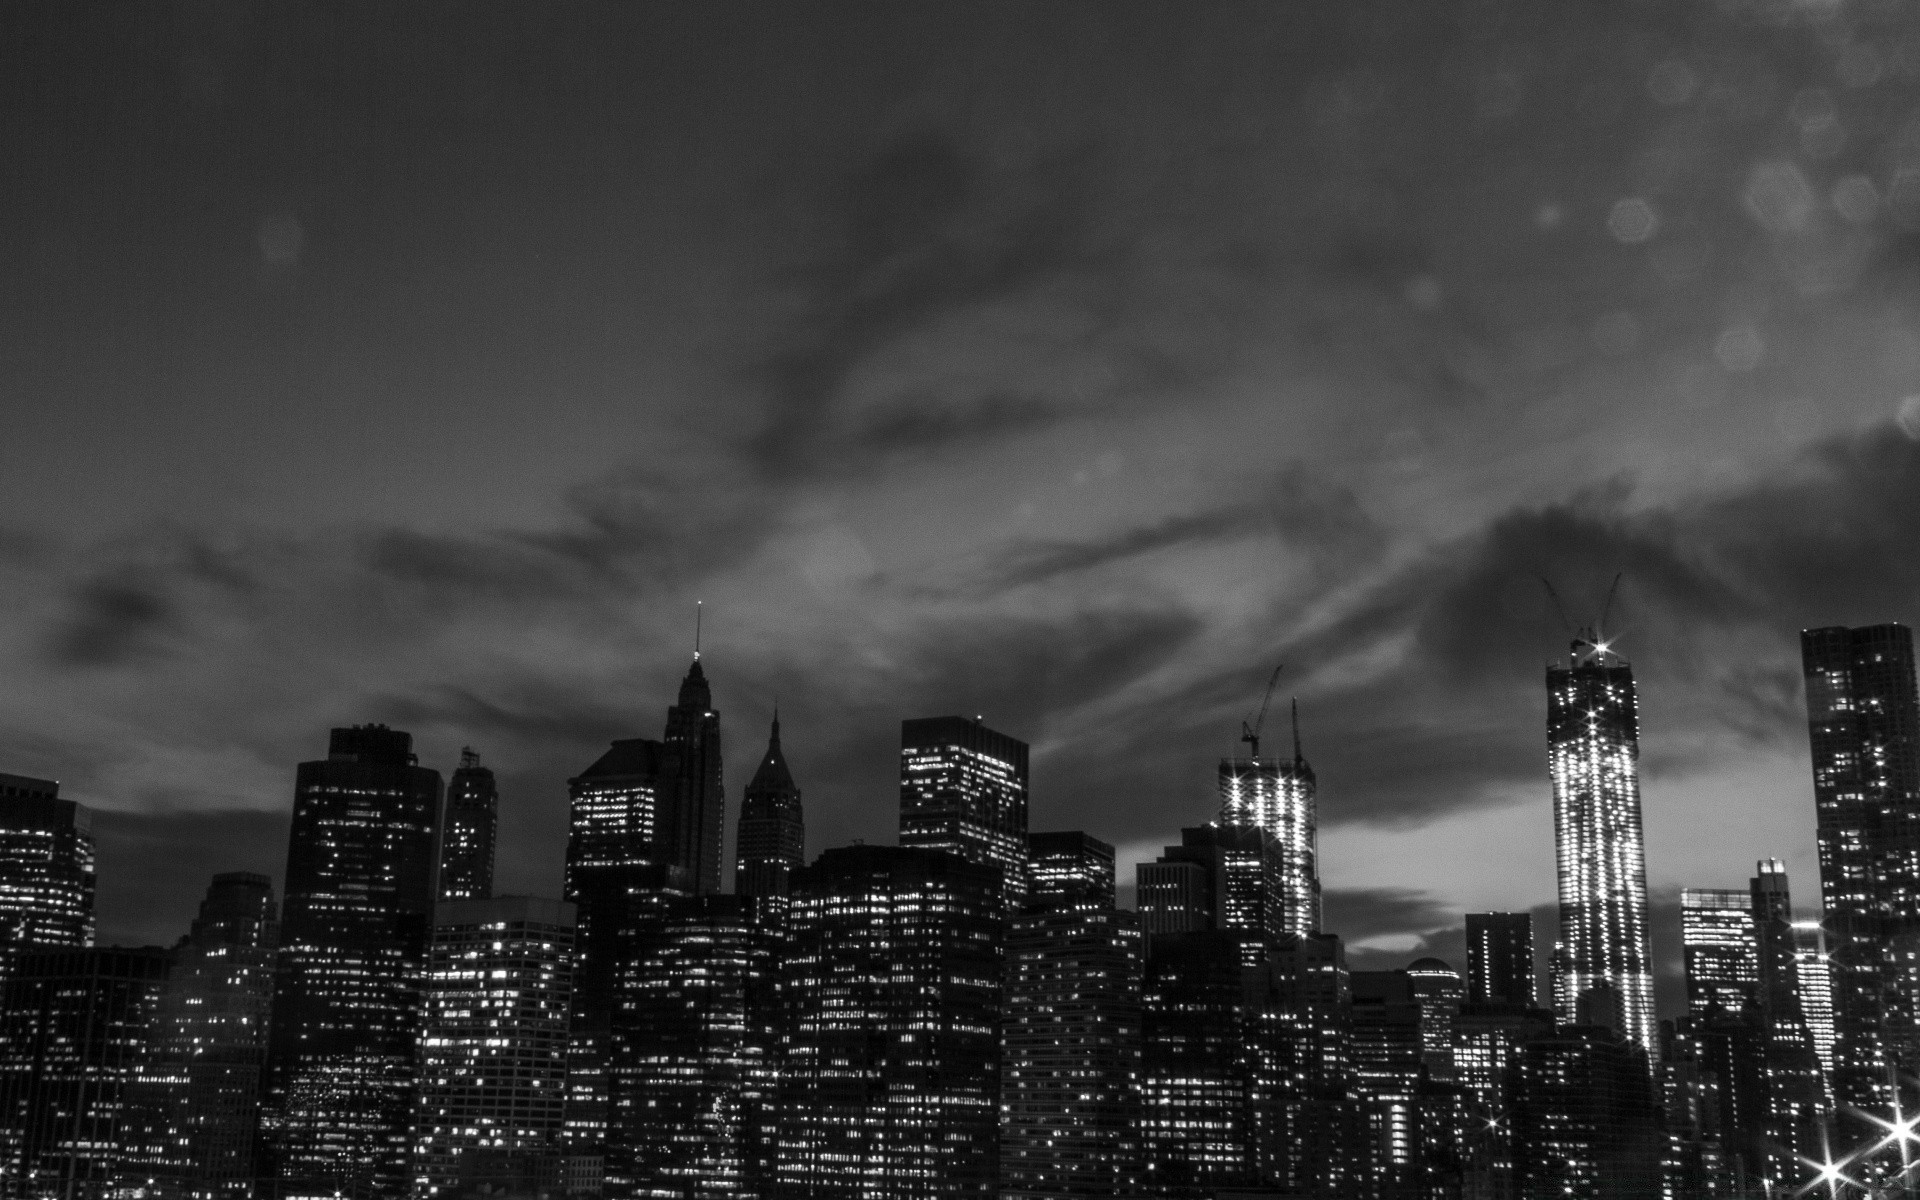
(1602, 960)
(1070, 1099)
(73, 1034)
(46, 865)
(1863, 722)
(468, 832)
(194, 1106)
(892, 986)
(963, 790)
(342, 1056)
(494, 1047)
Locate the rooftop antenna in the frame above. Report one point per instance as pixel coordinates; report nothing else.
(696, 631)
(1250, 734)
(1297, 760)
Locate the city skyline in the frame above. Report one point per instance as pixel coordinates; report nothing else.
(1066, 370)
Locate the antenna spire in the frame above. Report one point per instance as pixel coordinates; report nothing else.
(696, 631)
(1297, 760)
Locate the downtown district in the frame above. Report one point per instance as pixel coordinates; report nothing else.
(968, 1012)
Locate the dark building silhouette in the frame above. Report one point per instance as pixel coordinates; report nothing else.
(1489, 1041)
(468, 830)
(1593, 753)
(892, 986)
(494, 1048)
(1500, 958)
(698, 812)
(193, 1107)
(341, 1066)
(1798, 1100)
(1070, 1029)
(73, 1035)
(1218, 877)
(963, 790)
(772, 840)
(1586, 1125)
(46, 865)
(1863, 720)
(692, 1063)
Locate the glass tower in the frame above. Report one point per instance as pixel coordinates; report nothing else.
(963, 789)
(46, 865)
(467, 834)
(1279, 797)
(1863, 721)
(1593, 744)
(342, 1055)
(1718, 944)
(772, 842)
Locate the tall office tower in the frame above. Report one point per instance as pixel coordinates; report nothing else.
(1278, 796)
(342, 1054)
(46, 865)
(1718, 948)
(693, 1046)
(1863, 720)
(1070, 1032)
(890, 1079)
(1816, 988)
(1500, 958)
(73, 1031)
(467, 832)
(693, 762)
(1797, 1097)
(963, 789)
(494, 1048)
(1585, 1121)
(1438, 990)
(1218, 877)
(1593, 741)
(193, 1107)
(772, 842)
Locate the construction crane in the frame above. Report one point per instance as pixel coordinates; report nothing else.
(1250, 734)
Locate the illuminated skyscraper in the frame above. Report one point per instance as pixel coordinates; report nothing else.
(467, 833)
(1071, 1029)
(46, 865)
(193, 1107)
(1593, 743)
(1439, 991)
(772, 842)
(691, 830)
(963, 789)
(1816, 987)
(1863, 720)
(342, 1056)
(1721, 954)
(73, 1033)
(1278, 796)
(494, 1049)
(891, 1078)
(1500, 958)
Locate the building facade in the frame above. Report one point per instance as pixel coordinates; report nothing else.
(342, 1055)
(46, 865)
(1500, 958)
(963, 790)
(469, 831)
(1593, 743)
(1719, 948)
(772, 840)
(493, 1048)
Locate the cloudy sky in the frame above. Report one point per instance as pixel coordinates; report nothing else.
(1066, 364)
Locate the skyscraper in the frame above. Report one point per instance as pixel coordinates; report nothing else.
(1719, 948)
(346, 1008)
(1500, 958)
(1070, 1098)
(73, 1031)
(1863, 721)
(1816, 988)
(1593, 741)
(494, 1047)
(772, 842)
(693, 763)
(1218, 877)
(193, 1107)
(46, 865)
(1278, 796)
(963, 789)
(891, 1077)
(467, 833)
(1585, 1120)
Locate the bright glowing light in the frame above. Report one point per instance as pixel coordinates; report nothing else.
(1832, 1174)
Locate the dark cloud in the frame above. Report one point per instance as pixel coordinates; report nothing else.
(112, 622)
(1358, 914)
(924, 423)
(153, 868)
